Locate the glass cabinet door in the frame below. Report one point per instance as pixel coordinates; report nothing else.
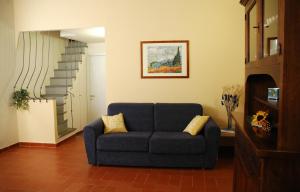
(270, 16)
(253, 29)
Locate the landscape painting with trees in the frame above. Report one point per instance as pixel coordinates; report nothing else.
(164, 59)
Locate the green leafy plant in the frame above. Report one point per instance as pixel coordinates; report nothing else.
(21, 99)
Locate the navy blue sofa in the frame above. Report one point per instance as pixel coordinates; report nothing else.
(154, 137)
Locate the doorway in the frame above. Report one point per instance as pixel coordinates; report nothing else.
(96, 68)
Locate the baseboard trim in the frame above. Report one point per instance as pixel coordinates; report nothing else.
(37, 145)
(9, 147)
(67, 139)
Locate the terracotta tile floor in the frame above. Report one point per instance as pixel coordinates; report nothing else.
(65, 169)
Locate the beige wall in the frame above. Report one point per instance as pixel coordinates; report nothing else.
(214, 29)
(8, 116)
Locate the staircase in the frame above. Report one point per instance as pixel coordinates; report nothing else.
(62, 82)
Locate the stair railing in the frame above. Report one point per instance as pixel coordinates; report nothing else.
(42, 64)
(73, 61)
(46, 68)
(34, 68)
(23, 62)
(35, 96)
(78, 60)
(71, 100)
(28, 68)
(66, 73)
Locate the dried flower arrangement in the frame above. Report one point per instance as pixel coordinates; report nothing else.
(230, 99)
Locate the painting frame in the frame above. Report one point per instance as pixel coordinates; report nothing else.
(160, 59)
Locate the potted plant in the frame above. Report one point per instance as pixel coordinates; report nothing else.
(21, 99)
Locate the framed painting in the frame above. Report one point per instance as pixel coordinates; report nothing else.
(165, 59)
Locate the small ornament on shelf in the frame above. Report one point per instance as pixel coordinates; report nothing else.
(230, 99)
(260, 124)
(273, 93)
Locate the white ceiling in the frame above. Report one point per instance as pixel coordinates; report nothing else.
(87, 35)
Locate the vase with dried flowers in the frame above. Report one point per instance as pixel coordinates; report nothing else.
(230, 99)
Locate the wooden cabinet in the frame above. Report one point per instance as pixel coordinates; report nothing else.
(227, 138)
(259, 168)
(272, 60)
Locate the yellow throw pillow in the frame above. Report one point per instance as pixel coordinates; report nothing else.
(196, 125)
(114, 124)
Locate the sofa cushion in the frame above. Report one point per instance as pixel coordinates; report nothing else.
(176, 143)
(196, 125)
(174, 116)
(130, 141)
(114, 124)
(137, 116)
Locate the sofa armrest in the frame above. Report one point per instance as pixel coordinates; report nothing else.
(212, 136)
(90, 133)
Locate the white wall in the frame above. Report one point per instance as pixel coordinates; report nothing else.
(8, 115)
(215, 30)
(96, 49)
(38, 125)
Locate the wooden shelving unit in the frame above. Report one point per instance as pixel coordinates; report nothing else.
(269, 103)
(272, 60)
